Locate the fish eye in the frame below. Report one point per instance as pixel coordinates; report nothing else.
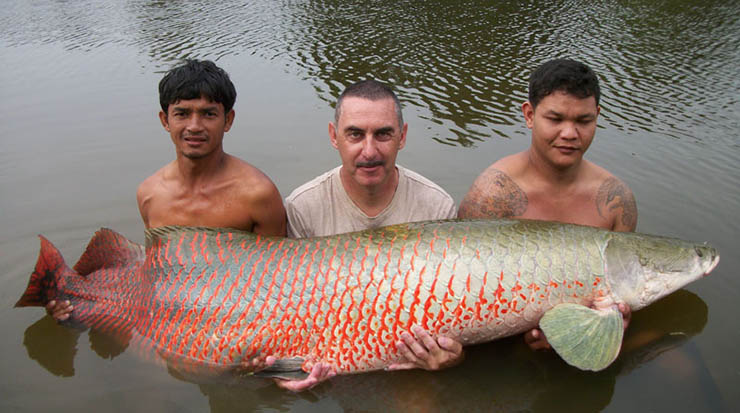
(699, 253)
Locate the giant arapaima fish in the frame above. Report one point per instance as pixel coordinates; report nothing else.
(204, 299)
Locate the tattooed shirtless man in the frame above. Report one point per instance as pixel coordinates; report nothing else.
(551, 180)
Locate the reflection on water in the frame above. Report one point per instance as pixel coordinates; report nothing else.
(665, 66)
(52, 346)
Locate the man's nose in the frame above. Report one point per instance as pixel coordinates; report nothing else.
(195, 123)
(569, 131)
(369, 147)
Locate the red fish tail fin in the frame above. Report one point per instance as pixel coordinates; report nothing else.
(47, 278)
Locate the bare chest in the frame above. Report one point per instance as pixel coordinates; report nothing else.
(199, 210)
(573, 208)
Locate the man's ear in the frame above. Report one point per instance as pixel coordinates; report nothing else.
(528, 111)
(229, 120)
(402, 141)
(333, 135)
(163, 119)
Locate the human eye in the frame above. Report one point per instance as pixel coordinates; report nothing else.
(384, 135)
(354, 134)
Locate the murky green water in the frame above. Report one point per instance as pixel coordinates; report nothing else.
(79, 132)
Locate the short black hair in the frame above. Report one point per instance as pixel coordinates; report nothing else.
(372, 90)
(566, 75)
(194, 79)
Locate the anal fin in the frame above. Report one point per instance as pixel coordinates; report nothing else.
(286, 369)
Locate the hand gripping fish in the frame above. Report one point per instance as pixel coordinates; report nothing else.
(204, 299)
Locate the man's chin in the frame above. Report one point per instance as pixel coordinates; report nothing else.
(194, 155)
(565, 161)
(368, 180)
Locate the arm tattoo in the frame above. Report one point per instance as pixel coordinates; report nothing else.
(613, 194)
(498, 196)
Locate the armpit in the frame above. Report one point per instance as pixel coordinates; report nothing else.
(613, 196)
(494, 195)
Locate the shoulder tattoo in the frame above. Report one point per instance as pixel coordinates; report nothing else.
(494, 195)
(614, 195)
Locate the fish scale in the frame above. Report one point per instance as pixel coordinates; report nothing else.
(205, 299)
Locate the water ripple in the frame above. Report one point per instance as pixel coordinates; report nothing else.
(666, 67)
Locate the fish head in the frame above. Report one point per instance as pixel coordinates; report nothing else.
(644, 268)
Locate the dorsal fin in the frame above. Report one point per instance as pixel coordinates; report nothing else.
(106, 249)
(155, 234)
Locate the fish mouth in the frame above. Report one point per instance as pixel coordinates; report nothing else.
(711, 265)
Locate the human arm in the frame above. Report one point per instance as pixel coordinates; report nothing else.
(615, 201)
(493, 195)
(427, 353)
(447, 208)
(143, 196)
(296, 226)
(267, 210)
(536, 339)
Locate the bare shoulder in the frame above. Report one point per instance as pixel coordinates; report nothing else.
(151, 189)
(250, 181)
(259, 195)
(616, 202)
(154, 184)
(494, 193)
(147, 187)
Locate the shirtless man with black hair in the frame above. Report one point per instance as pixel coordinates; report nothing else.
(551, 181)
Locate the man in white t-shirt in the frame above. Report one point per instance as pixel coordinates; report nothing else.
(370, 190)
(323, 206)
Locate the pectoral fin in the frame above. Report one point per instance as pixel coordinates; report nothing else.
(585, 338)
(286, 369)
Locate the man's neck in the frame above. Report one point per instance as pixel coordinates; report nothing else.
(551, 175)
(371, 200)
(195, 171)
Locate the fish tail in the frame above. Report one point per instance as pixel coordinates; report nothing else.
(47, 278)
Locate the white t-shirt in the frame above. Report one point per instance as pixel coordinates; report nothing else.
(321, 206)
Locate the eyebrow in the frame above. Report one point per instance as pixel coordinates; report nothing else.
(213, 108)
(384, 129)
(387, 129)
(560, 115)
(353, 129)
